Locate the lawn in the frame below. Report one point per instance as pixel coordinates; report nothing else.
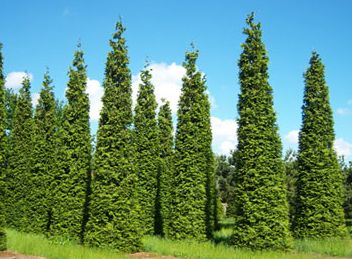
(38, 245)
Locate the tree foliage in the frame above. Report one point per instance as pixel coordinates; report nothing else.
(72, 180)
(19, 174)
(147, 151)
(44, 156)
(165, 170)
(260, 190)
(3, 145)
(192, 198)
(319, 212)
(114, 218)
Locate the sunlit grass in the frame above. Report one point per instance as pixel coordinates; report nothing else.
(38, 245)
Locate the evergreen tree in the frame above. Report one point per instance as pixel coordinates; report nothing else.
(192, 210)
(165, 170)
(147, 151)
(114, 218)
(44, 159)
(260, 191)
(75, 156)
(319, 211)
(10, 105)
(347, 172)
(19, 176)
(3, 144)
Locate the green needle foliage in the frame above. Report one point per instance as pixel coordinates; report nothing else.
(44, 159)
(147, 151)
(260, 190)
(114, 218)
(75, 156)
(165, 170)
(192, 210)
(3, 145)
(19, 175)
(319, 211)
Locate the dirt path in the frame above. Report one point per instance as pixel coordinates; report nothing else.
(13, 255)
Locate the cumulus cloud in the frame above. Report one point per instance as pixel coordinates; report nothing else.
(14, 79)
(342, 147)
(95, 92)
(224, 135)
(292, 137)
(167, 80)
(344, 111)
(35, 99)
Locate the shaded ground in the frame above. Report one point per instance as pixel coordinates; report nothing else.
(13, 255)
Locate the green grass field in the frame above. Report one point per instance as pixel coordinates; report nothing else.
(38, 245)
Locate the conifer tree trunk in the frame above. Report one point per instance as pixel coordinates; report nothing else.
(319, 198)
(262, 220)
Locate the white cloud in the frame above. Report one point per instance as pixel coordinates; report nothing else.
(14, 79)
(35, 99)
(343, 111)
(224, 135)
(167, 80)
(95, 92)
(342, 147)
(292, 137)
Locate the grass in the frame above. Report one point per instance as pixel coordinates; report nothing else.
(332, 247)
(38, 245)
(33, 244)
(208, 250)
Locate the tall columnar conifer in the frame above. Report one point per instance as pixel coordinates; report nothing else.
(3, 145)
(260, 193)
(165, 170)
(114, 219)
(147, 151)
(19, 174)
(191, 208)
(319, 211)
(75, 156)
(44, 160)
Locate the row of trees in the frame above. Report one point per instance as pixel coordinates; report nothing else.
(139, 181)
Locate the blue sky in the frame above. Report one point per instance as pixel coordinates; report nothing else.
(37, 34)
